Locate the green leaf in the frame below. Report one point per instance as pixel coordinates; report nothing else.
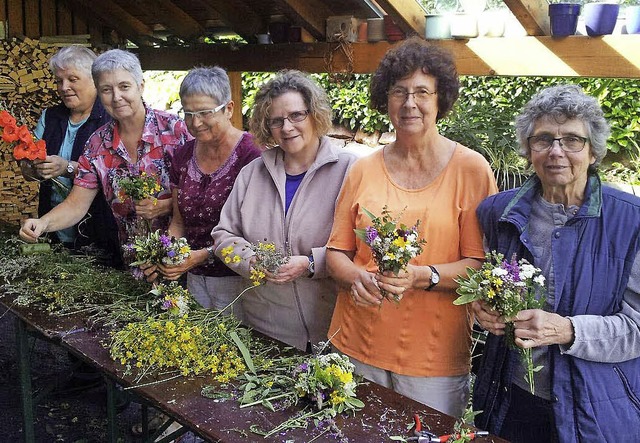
(243, 350)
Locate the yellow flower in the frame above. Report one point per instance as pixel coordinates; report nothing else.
(400, 242)
(227, 251)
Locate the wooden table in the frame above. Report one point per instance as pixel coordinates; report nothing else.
(386, 413)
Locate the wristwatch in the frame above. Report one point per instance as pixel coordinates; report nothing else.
(435, 278)
(70, 168)
(312, 266)
(211, 253)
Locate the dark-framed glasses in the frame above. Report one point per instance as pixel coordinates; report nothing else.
(569, 143)
(294, 117)
(204, 114)
(419, 95)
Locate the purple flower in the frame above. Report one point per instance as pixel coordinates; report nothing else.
(171, 254)
(372, 234)
(165, 240)
(167, 304)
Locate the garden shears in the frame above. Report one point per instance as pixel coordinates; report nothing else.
(423, 436)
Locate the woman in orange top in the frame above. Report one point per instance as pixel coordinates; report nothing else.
(420, 347)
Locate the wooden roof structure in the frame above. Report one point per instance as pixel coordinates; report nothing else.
(169, 34)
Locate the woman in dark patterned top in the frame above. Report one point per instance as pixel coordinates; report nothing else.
(202, 176)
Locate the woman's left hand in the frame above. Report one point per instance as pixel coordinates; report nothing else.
(53, 166)
(151, 272)
(196, 258)
(536, 327)
(297, 266)
(397, 284)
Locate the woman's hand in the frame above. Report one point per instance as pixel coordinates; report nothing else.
(298, 265)
(489, 319)
(365, 290)
(32, 229)
(151, 272)
(536, 327)
(29, 171)
(53, 166)
(397, 284)
(196, 258)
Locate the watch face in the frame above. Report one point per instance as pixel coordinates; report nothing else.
(70, 168)
(435, 277)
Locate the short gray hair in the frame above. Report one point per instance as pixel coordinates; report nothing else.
(561, 103)
(210, 81)
(115, 59)
(73, 56)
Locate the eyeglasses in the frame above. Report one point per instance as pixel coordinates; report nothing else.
(204, 114)
(294, 117)
(402, 95)
(569, 143)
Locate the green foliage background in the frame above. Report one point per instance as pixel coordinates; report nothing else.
(482, 119)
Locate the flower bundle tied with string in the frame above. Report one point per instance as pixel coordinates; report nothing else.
(508, 287)
(392, 244)
(156, 248)
(139, 187)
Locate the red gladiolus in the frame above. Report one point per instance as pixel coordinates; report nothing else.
(20, 151)
(41, 150)
(10, 133)
(6, 119)
(24, 134)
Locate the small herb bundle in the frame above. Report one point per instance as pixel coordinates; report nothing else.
(392, 244)
(268, 258)
(324, 383)
(508, 287)
(138, 187)
(156, 248)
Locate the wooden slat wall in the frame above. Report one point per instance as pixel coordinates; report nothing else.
(32, 18)
(15, 18)
(36, 18)
(48, 9)
(64, 19)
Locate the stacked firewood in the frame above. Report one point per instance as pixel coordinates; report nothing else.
(26, 88)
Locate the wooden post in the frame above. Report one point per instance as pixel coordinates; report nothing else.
(235, 78)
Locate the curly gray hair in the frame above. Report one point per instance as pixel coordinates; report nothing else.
(564, 102)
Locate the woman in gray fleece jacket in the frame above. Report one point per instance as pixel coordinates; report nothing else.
(287, 196)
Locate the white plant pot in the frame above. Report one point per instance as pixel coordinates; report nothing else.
(437, 27)
(464, 26)
(473, 6)
(491, 23)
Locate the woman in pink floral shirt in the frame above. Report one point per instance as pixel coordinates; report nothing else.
(136, 141)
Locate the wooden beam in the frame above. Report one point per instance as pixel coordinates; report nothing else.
(32, 18)
(532, 14)
(48, 14)
(608, 56)
(235, 79)
(15, 19)
(173, 18)
(237, 15)
(407, 14)
(114, 16)
(309, 14)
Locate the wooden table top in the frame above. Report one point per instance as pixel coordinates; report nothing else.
(386, 413)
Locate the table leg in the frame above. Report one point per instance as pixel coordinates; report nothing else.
(112, 431)
(24, 370)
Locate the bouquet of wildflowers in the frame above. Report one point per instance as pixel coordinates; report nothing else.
(508, 287)
(324, 383)
(268, 258)
(138, 187)
(393, 245)
(173, 298)
(157, 248)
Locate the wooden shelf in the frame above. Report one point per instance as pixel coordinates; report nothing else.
(607, 56)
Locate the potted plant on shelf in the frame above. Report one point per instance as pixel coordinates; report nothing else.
(563, 18)
(600, 17)
(632, 16)
(437, 23)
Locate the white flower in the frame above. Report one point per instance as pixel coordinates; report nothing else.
(499, 272)
(539, 280)
(527, 271)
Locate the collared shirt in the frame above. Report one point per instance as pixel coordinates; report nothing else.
(102, 165)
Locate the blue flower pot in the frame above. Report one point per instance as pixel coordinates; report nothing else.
(600, 18)
(563, 18)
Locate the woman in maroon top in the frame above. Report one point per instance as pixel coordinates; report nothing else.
(202, 174)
